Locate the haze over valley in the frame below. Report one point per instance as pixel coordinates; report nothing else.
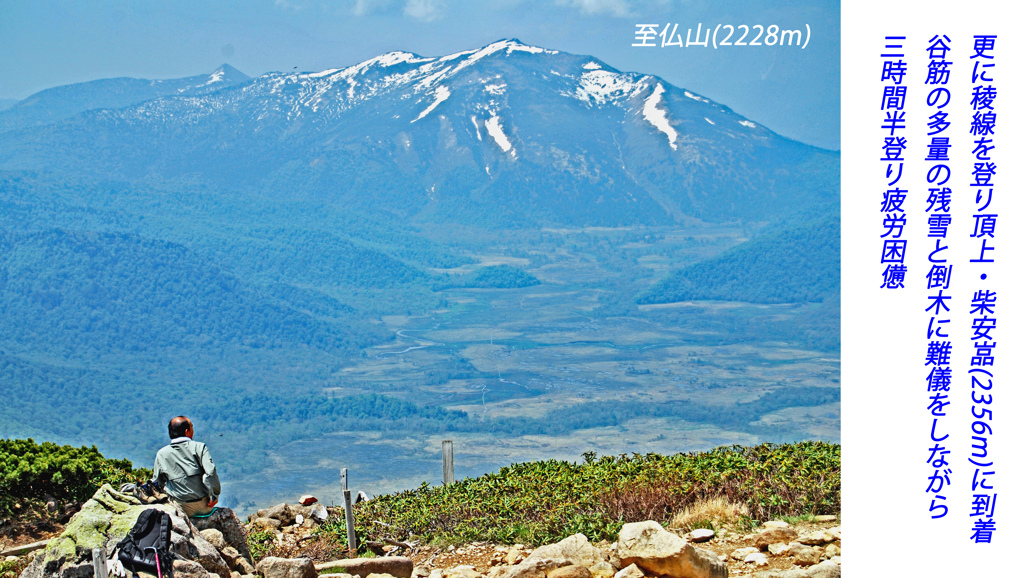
(523, 250)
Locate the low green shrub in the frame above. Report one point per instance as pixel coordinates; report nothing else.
(260, 543)
(30, 471)
(541, 502)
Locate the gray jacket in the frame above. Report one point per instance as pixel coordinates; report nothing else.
(186, 471)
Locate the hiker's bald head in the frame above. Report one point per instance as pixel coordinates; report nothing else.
(179, 427)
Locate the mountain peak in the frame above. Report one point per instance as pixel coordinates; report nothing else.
(510, 45)
(227, 73)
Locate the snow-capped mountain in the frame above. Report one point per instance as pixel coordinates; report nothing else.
(65, 101)
(508, 133)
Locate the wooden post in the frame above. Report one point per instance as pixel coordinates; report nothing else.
(448, 461)
(344, 479)
(350, 523)
(99, 563)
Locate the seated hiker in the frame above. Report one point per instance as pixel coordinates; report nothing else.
(186, 471)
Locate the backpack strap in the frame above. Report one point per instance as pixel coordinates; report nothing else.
(165, 532)
(164, 550)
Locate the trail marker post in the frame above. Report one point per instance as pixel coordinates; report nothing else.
(448, 461)
(99, 563)
(350, 525)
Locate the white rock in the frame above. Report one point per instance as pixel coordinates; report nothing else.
(576, 549)
(658, 551)
(741, 553)
(776, 524)
(818, 538)
(778, 549)
(701, 535)
(528, 569)
(319, 513)
(631, 571)
(463, 571)
(756, 558)
(271, 567)
(602, 570)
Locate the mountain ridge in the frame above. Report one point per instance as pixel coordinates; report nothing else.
(61, 102)
(523, 133)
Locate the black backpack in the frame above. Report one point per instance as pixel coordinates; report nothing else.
(147, 545)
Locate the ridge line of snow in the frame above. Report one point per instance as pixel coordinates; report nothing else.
(440, 95)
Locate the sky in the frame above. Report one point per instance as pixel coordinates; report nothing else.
(792, 90)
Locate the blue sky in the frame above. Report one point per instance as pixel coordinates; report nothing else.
(794, 91)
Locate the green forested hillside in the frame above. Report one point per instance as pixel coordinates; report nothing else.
(796, 264)
(501, 277)
(265, 319)
(109, 292)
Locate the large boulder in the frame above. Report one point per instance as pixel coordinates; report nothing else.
(823, 570)
(631, 571)
(104, 521)
(602, 570)
(804, 555)
(397, 566)
(272, 567)
(528, 568)
(571, 571)
(576, 549)
(463, 571)
(225, 521)
(285, 513)
(658, 551)
(189, 569)
(773, 536)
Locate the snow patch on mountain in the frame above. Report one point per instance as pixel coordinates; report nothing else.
(393, 58)
(440, 95)
(689, 94)
(477, 127)
(431, 78)
(591, 66)
(456, 55)
(323, 73)
(709, 120)
(493, 125)
(217, 76)
(601, 86)
(747, 123)
(657, 117)
(520, 47)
